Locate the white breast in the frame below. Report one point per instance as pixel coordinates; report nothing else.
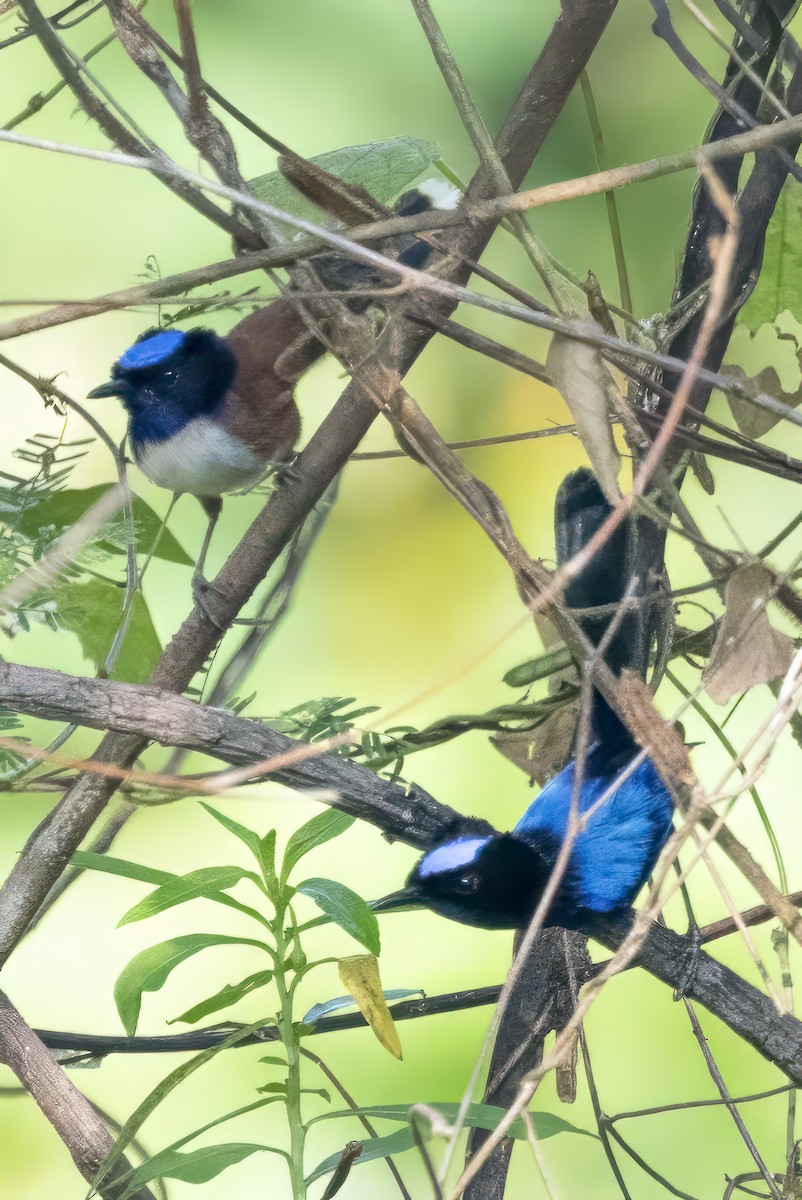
(202, 459)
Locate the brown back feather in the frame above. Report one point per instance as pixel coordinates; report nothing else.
(273, 348)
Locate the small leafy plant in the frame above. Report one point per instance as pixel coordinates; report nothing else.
(286, 965)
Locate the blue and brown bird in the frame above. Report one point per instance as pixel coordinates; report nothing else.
(496, 880)
(208, 414)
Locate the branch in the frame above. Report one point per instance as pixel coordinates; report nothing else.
(407, 813)
(68, 1111)
(664, 954)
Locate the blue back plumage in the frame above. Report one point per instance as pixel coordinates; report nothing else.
(615, 852)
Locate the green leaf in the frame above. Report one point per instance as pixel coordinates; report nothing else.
(91, 861)
(93, 611)
(346, 908)
(779, 286)
(62, 509)
(228, 995)
(538, 668)
(259, 847)
(385, 169)
(373, 1148)
(481, 1116)
(274, 1089)
(267, 852)
(130, 870)
(196, 1166)
(149, 970)
(322, 828)
(207, 881)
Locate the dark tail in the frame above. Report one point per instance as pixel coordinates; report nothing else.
(579, 511)
(341, 274)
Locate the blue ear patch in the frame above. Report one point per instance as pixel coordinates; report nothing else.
(151, 351)
(451, 856)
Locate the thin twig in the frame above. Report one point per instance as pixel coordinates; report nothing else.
(738, 1120)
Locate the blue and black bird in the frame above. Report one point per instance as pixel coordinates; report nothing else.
(495, 881)
(207, 414)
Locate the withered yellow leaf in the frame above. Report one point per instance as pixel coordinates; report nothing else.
(748, 649)
(361, 979)
(582, 379)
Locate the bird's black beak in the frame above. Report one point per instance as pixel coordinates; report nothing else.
(408, 897)
(115, 387)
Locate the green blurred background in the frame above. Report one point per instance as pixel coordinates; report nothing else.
(403, 599)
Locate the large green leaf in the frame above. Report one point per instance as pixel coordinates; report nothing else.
(321, 828)
(482, 1116)
(62, 509)
(385, 169)
(779, 286)
(131, 870)
(263, 849)
(205, 882)
(149, 970)
(194, 1166)
(93, 612)
(346, 908)
(228, 995)
(92, 861)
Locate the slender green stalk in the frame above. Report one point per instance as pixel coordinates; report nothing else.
(293, 1052)
(612, 208)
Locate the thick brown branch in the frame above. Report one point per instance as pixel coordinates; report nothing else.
(68, 1111)
(407, 813)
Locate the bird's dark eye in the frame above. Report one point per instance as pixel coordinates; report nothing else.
(468, 883)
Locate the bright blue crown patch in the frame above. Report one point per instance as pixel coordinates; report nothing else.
(152, 350)
(451, 856)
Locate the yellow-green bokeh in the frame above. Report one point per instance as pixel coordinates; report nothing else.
(404, 602)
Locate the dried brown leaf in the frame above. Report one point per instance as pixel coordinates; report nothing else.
(543, 751)
(582, 379)
(750, 418)
(748, 650)
(699, 466)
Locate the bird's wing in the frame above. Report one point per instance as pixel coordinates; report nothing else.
(614, 853)
(273, 348)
